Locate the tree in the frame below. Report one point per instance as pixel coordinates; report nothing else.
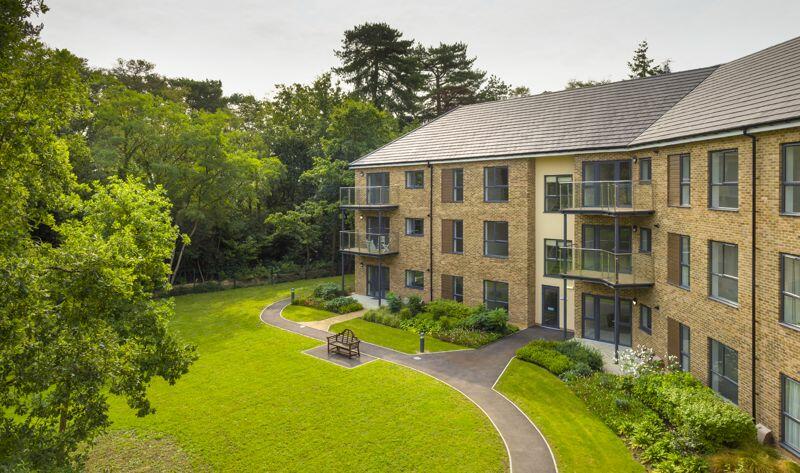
(581, 84)
(357, 128)
(450, 78)
(303, 225)
(496, 89)
(382, 67)
(15, 24)
(200, 94)
(642, 66)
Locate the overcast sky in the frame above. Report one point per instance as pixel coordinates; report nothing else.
(251, 45)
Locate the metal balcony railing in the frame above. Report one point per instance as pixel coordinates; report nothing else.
(615, 269)
(368, 197)
(375, 244)
(606, 197)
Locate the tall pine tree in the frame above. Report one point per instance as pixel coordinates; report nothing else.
(642, 66)
(450, 78)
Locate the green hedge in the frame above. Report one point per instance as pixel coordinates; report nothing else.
(570, 359)
(546, 357)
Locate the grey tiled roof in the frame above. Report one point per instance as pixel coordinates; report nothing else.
(760, 88)
(603, 116)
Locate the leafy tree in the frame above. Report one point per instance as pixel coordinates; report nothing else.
(15, 24)
(496, 89)
(327, 176)
(642, 66)
(200, 94)
(581, 84)
(382, 67)
(450, 78)
(357, 128)
(304, 226)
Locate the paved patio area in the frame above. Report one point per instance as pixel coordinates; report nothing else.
(472, 372)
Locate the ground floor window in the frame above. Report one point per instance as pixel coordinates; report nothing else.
(598, 319)
(685, 335)
(724, 370)
(415, 279)
(495, 294)
(458, 288)
(791, 414)
(645, 319)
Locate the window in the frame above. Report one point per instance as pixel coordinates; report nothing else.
(377, 188)
(685, 338)
(724, 369)
(415, 226)
(557, 192)
(645, 319)
(645, 170)
(724, 182)
(679, 180)
(598, 319)
(495, 184)
(790, 290)
(645, 240)
(458, 185)
(678, 260)
(790, 409)
(495, 239)
(458, 288)
(724, 271)
(415, 179)
(790, 179)
(553, 253)
(495, 294)
(458, 236)
(415, 279)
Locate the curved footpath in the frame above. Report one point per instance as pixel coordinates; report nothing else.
(472, 372)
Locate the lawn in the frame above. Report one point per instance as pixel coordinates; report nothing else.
(301, 313)
(390, 337)
(580, 441)
(254, 402)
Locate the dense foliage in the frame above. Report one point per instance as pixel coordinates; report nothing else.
(329, 297)
(567, 359)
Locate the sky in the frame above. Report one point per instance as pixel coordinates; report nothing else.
(252, 45)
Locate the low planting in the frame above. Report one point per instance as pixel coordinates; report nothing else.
(568, 359)
(329, 297)
(446, 320)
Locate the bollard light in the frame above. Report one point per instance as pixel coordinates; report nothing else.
(422, 342)
(292, 297)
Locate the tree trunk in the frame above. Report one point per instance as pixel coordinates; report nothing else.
(180, 255)
(62, 422)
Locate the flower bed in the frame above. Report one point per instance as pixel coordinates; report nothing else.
(446, 320)
(329, 297)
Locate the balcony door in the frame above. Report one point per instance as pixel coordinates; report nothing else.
(598, 319)
(377, 188)
(377, 232)
(601, 239)
(377, 281)
(550, 306)
(601, 186)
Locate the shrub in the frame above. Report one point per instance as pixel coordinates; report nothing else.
(753, 458)
(601, 392)
(383, 317)
(327, 291)
(545, 357)
(695, 411)
(578, 370)
(465, 337)
(393, 302)
(580, 353)
(415, 305)
(643, 361)
(495, 320)
(448, 308)
(404, 314)
(342, 305)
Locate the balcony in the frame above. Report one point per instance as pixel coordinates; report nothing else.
(605, 267)
(368, 197)
(368, 244)
(606, 197)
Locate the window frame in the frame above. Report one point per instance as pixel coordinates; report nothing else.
(649, 239)
(722, 183)
(649, 168)
(458, 239)
(785, 183)
(410, 184)
(458, 296)
(795, 449)
(422, 227)
(458, 189)
(486, 241)
(687, 354)
(711, 272)
(687, 264)
(486, 186)
(413, 285)
(559, 247)
(557, 196)
(784, 293)
(648, 327)
(685, 184)
(495, 303)
(712, 372)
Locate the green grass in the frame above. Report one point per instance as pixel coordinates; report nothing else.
(301, 313)
(390, 337)
(580, 441)
(254, 402)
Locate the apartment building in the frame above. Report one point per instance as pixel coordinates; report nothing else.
(661, 212)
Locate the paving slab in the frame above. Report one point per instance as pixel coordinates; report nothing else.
(321, 352)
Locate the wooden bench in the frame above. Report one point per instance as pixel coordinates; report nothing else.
(344, 343)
